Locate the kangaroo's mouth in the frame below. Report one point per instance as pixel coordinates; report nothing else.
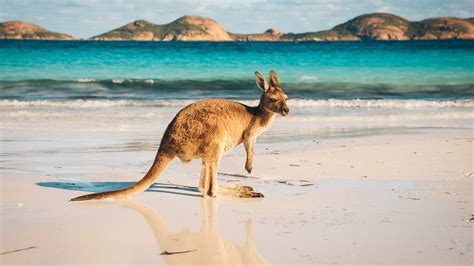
(285, 112)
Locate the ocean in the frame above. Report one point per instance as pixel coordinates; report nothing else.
(335, 88)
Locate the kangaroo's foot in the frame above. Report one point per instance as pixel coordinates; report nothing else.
(201, 188)
(212, 191)
(210, 194)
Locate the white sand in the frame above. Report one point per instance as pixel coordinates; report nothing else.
(393, 199)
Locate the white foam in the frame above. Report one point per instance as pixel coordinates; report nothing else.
(293, 103)
(85, 80)
(46, 115)
(92, 103)
(309, 78)
(357, 103)
(118, 81)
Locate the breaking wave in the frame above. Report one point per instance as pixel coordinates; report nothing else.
(358, 103)
(309, 88)
(293, 103)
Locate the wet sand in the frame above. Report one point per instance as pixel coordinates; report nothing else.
(390, 198)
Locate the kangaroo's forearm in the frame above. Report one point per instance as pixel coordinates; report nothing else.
(249, 148)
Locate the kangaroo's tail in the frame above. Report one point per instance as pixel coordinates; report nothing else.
(159, 166)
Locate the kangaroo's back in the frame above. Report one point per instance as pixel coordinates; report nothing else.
(206, 123)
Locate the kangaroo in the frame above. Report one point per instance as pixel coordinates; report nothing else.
(207, 129)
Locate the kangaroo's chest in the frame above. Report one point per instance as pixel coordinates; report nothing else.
(259, 127)
(234, 140)
(248, 132)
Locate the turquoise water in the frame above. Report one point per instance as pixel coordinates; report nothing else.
(336, 89)
(47, 70)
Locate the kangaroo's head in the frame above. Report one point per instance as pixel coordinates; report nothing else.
(273, 98)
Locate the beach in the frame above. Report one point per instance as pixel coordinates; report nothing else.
(373, 165)
(392, 197)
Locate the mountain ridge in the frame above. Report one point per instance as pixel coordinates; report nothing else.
(373, 26)
(20, 30)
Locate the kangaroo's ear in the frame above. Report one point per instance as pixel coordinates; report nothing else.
(274, 79)
(261, 81)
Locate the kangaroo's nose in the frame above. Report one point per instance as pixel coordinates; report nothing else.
(285, 111)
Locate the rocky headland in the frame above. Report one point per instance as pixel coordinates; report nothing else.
(21, 30)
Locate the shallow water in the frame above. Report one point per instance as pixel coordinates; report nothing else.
(119, 96)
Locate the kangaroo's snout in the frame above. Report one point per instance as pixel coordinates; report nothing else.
(285, 111)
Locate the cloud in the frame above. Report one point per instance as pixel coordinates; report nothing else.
(85, 18)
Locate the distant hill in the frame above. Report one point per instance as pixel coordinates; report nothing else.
(384, 26)
(24, 30)
(272, 34)
(375, 26)
(187, 28)
(443, 28)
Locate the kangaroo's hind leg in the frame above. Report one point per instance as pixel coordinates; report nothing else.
(212, 190)
(204, 177)
(212, 163)
(210, 183)
(212, 176)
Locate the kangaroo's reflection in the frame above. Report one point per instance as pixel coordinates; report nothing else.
(203, 247)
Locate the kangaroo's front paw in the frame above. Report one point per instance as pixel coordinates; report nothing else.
(248, 167)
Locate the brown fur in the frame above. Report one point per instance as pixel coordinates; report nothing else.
(207, 129)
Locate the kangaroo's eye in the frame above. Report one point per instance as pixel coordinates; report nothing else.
(273, 100)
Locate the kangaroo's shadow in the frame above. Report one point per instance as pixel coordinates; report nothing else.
(107, 186)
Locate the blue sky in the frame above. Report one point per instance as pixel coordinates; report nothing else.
(85, 18)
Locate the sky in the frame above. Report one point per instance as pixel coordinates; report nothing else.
(86, 18)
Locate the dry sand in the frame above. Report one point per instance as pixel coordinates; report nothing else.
(387, 199)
